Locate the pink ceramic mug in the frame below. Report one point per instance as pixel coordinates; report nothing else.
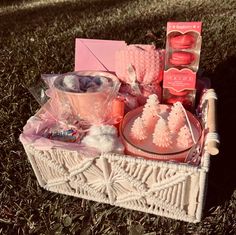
(94, 107)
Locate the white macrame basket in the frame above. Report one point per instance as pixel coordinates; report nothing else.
(169, 189)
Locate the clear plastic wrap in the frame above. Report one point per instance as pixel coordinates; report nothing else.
(38, 128)
(47, 98)
(73, 102)
(140, 68)
(89, 94)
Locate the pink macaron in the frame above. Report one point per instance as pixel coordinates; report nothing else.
(181, 58)
(183, 41)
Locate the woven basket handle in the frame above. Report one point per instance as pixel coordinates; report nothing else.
(212, 138)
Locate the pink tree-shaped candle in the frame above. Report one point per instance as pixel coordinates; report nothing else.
(138, 130)
(151, 110)
(176, 118)
(184, 137)
(162, 136)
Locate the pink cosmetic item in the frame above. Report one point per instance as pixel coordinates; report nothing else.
(183, 41)
(153, 147)
(182, 58)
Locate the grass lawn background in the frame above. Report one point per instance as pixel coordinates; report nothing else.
(38, 37)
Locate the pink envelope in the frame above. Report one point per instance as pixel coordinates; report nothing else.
(93, 54)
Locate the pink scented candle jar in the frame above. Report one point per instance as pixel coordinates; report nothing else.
(146, 148)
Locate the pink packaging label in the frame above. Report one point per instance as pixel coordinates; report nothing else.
(184, 79)
(184, 27)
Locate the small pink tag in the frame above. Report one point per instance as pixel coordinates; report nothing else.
(184, 27)
(184, 79)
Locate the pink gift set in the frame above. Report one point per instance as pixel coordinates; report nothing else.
(124, 127)
(183, 45)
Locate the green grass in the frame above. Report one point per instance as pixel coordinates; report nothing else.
(40, 39)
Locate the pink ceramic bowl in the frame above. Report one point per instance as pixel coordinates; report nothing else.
(146, 148)
(90, 106)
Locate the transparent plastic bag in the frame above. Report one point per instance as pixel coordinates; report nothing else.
(36, 131)
(75, 101)
(47, 98)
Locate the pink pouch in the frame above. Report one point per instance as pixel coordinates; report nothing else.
(140, 67)
(146, 61)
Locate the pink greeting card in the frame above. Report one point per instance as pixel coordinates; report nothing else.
(93, 54)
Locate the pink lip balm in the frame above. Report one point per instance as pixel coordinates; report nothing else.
(182, 41)
(181, 58)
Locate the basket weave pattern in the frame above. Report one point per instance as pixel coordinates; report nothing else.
(170, 189)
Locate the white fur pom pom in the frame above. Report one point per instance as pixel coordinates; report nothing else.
(103, 130)
(105, 143)
(104, 138)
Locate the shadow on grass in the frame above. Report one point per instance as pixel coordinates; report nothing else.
(47, 14)
(44, 16)
(222, 173)
(6, 3)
